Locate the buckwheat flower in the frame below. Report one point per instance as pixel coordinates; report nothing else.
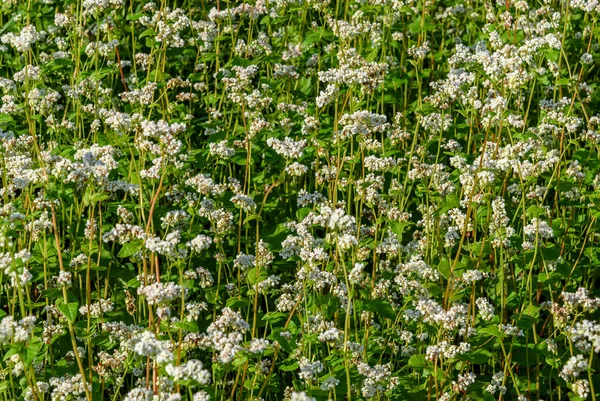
(63, 19)
(244, 261)
(486, 309)
(205, 185)
(419, 52)
(29, 72)
(16, 331)
(472, 276)
(539, 227)
(96, 6)
(226, 334)
(285, 71)
(510, 330)
(581, 388)
(516, 121)
(142, 96)
(98, 308)
(287, 148)
(67, 386)
(123, 233)
(331, 335)
(90, 228)
(163, 312)
(587, 58)
(377, 379)
(258, 345)
(355, 275)
(574, 367)
(375, 163)
(463, 382)
(296, 169)
(326, 96)
(201, 396)
(346, 242)
(329, 384)
(586, 334)
(575, 171)
(270, 282)
(23, 41)
(140, 394)
(496, 384)
(244, 202)
(194, 309)
(200, 243)
(148, 345)
(309, 370)
(165, 247)
(580, 298)
(193, 369)
(301, 396)
(436, 122)
(161, 293)
(9, 106)
(64, 279)
(79, 260)
(221, 150)
(361, 123)
(125, 215)
(310, 125)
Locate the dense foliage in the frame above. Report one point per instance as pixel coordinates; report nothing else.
(299, 200)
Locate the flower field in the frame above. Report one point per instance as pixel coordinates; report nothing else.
(299, 200)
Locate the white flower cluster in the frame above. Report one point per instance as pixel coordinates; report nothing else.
(464, 381)
(97, 6)
(161, 293)
(193, 369)
(447, 350)
(309, 370)
(23, 41)
(12, 330)
(586, 335)
(147, 344)
(167, 247)
(97, 308)
(378, 379)
(496, 384)
(123, 233)
(226, 334)
(486, 309)
(574, 367)
(66, 387)
(200, 243)
(287, 148)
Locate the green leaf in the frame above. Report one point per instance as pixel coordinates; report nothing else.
(251, 385)
(131, 248)
(240, 360)
(381, 307)
(287, 345)
(134, 17)
(274, 317)
(398, 228)
(237, 302)
(417, 361)
(444, 267)
(147, 32)
(69, 309)
(289, 366)
(255, 277)
(478, 356)
(187, 326)
(494, 331)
